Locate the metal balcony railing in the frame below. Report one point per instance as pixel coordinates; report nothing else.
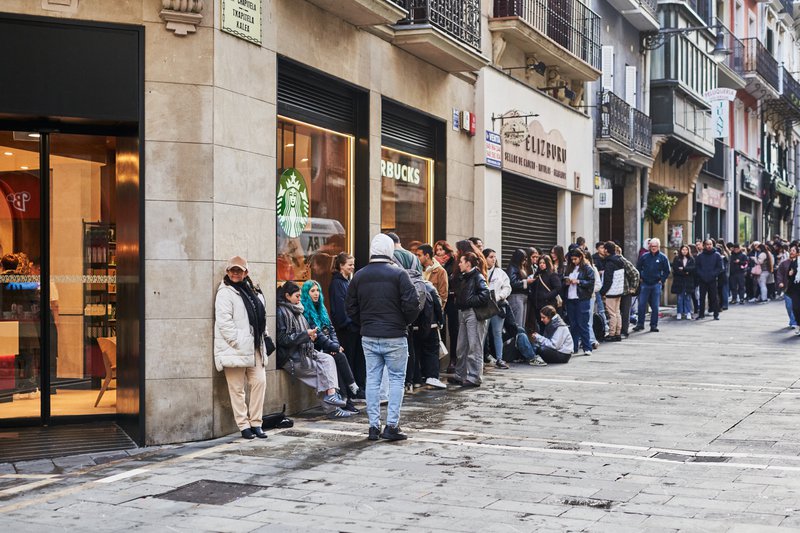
(615, 116)
(650, 5)
(641, 132)
(461, 19)
(758, 60)
(735, 61)
(791, 88)
(569, 23)
(787, 6)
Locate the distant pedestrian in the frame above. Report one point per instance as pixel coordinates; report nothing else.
(446, 257)
(683, 282)
(382, 300)
(405, 258)
(579, 280)
(632, 281)
(434, 272)
(612, 290)
(240, 325)
(519, 277)
(708, 266)
(471, 293)
(343, 267)
(499, 283)
(653, 268)
(738, 269)
(761, 270)
(560, 264)
(545, 289)
(793, 285)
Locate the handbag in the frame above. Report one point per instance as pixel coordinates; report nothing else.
(756, 271)
(559, 300)
(269, 344)
(276, 420)
(442, 348)
(485, 312)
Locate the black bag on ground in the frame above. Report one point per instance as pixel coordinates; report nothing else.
(597, 326)
(276, 420)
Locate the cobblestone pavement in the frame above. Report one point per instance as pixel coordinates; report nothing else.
(694, 428)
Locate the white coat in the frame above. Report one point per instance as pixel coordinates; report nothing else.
(234, 345)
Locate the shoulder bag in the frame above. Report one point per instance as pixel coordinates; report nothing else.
(559, 300)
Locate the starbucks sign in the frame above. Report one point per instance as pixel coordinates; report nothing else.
(292, 202)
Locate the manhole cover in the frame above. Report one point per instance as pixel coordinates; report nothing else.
(210, 492)
(710, 459)
(678, 458)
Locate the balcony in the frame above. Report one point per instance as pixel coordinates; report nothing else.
(560, 33)
(682, 117)
(760, 70)
(624, 131)
(703, 10)
(363, 12)
(445, 33)
(640, 13)
(787, 11)
(787, 107)
(731, 70)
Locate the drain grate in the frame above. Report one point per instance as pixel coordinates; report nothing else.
(210, 492)
(680, 458)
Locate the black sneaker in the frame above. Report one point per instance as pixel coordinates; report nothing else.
(638, 328)
(455, 381)
(501, 364)
(248, 434)
(374, 433)
(716, 317)
(653, 330)
(259, 432)
(348, 406)
(393, 433)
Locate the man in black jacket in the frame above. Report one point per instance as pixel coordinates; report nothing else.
(738, 265)
(382, 300)
(708, 267)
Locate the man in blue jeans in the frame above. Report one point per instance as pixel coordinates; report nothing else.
(383, 302)
(653, 269)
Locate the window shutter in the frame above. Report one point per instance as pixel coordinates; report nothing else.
(607, 65)
(630, 85)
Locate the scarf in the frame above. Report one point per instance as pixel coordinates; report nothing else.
(295, 324)
(256, 313)
(797, 271)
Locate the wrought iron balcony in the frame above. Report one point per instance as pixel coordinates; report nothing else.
(569, 23)
(758, 61)
(641, 132)
(735, 61)
(650, 5)
(628, 127)
(461, 19)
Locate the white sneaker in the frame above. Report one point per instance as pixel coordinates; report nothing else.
(797, 331)
(678, 316)
(433, 382)
(587, 352)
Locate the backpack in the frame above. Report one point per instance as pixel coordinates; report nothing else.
(632, 278)
(421, 288)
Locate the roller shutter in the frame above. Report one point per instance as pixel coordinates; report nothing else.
(530, 215)
(407, 131)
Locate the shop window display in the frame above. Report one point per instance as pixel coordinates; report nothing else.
(406, 185)
(314, 176)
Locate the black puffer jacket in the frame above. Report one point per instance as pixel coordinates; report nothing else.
(471, 290)
(546, 286)
(382, 300)
(517, 279)
(683, 276)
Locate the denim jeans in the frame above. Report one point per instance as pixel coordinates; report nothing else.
(380, 354)
(649, 294)
(496, 332)
(788, 301)
(684, 304)
(595, 299)
(525, 347)
(579, 312)
(762, 285)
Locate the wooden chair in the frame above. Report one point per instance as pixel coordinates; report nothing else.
(108, 347)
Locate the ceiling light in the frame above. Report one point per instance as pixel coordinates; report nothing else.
(8, 153)
(23, 167)
(304, 160)
(290, 145)
(34, 135)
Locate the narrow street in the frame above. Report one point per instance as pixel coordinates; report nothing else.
(693, 428)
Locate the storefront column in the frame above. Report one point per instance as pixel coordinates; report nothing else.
(582, 217)
(488, 207)
(632, 208)
(564, 209)
(375, 143)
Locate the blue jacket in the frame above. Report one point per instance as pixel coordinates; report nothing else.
(708, 265)
(337, 294)
(653, 268)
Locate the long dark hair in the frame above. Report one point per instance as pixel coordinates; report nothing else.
(559, 252)
(571, 267)
(466, 246)
(519, 259)
(548, 263)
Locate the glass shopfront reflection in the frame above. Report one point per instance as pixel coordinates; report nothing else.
(81, 295)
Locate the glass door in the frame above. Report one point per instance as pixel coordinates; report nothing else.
(21, 361)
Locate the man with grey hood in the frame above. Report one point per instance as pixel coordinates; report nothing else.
(383, 302)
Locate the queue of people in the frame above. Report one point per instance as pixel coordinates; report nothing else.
(388, 325)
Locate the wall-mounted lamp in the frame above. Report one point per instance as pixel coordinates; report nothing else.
(538, 68)
(655, 40)
(503, 118)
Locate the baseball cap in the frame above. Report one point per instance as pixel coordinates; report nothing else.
(237, 261)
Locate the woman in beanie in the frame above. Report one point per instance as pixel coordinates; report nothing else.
(239, 349)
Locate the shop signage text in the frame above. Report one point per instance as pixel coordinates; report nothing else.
(749, 171)
(533, 152)
(719, 99)
(604, 198)
(242, 18)
(713, 198)
(399, 171)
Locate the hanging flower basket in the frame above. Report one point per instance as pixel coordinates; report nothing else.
(659, 205)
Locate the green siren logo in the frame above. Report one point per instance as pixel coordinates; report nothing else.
(292, 202)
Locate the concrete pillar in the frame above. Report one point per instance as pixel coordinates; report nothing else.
(564, 232)
(632, 208)
(489, 206)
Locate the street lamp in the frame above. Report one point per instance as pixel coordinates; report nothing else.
(655, 40)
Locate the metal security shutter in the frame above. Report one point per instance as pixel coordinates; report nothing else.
(309, 96)
(530, 215)
(408, 131)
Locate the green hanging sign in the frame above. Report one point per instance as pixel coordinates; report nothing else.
(292, 202)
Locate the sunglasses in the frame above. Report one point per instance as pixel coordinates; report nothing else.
(236, 270)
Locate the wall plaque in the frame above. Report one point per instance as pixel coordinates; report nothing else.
(242, 18)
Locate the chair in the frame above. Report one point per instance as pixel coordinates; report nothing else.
(108, 347)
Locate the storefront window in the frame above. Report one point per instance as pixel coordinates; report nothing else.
(406, 185)
(314, 173)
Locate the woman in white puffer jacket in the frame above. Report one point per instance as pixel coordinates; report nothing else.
(239, 350)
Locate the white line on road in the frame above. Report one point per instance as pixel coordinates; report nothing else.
(727, 387)
(123, 475)
(27, 486)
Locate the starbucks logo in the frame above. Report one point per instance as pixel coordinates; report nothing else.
(292, 202)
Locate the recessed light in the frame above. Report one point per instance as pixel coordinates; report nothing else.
(23, 167)
(34, 135)
(8, 153)
(290, 145)
(304, 160)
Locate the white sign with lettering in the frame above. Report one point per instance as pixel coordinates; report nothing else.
(242, 18)
(532, 151)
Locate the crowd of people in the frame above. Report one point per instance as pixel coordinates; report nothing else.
(387, 326)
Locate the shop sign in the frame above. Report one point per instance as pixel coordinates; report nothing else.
(750, 173)
(714, 198)
(292, 203)
(531, 151)
(604, 198)
(784, 188)
(242, 18)
(494, 150)
(720, 110)
(396, 170)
